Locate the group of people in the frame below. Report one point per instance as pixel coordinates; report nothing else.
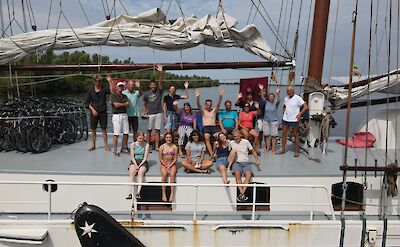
(224, 143)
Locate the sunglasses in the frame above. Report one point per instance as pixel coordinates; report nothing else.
(98, 81)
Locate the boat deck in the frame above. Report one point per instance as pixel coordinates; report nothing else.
(74, 159)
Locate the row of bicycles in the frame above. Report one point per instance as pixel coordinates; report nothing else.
(36, 124)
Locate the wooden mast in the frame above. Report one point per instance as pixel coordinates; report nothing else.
(318, 40)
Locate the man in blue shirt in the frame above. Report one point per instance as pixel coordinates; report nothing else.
(133, 92)
(228, 120)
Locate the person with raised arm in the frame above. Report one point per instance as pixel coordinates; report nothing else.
(240, 164)
(170, 118)
(209, 115)
(133, 92)
(139, 153)
(270, 122)
(153, 107)
(187, 123)
(96, 102)
(291, 119)
(168, 154)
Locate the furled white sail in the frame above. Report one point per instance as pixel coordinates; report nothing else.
(150, 29)
(339, 94)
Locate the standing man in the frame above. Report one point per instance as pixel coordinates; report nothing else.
(133, 92)
(170, 118)
(153, 107)
(228, 120)
(208, 118)
(291, 118)
(119, 105)
(95, 101)
(261, 111)
(241, 166)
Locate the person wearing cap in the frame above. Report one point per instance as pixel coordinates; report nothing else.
(95, 101)
(119, 105)
(291, 118)
(249, 99)
(170, 118)
(208, 117)
(187, 123)
(153, 107)
(246, 124)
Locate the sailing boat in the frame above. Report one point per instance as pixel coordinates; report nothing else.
(292, 201)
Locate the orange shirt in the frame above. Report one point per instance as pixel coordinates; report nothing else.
(246, 119)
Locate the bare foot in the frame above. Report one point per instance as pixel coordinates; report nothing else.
(171, 198)
(164, 198)
(280, 152)
(91, 148)
(181, 155)
(266, 150)
(107, 148)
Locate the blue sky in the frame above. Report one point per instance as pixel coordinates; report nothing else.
(239, 9)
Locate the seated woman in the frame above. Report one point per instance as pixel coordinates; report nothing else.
(168, 154)
(187, 124)
(222, 149)
(195, 149)
(246, 123)
(139, 153)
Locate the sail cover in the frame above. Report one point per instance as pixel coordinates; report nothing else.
(338, 94)
(150, 29)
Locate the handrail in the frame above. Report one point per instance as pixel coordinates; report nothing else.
(196, 186)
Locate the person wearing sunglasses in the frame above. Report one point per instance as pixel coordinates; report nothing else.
(96, 102)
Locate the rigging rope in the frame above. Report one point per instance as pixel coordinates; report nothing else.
(334, 41)
(397, 79)
(248, 18)
(1, 19)
(84, 12)
(126, 11)
(305, 57)
(48, 17)
(388, 83)
(9, 17)
(24, 16)
(31, 13)
(104, 9)
(376, 35)
(290, 21)
(271, 26)
(368, 87)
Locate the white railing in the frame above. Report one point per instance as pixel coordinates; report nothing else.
(312, 204)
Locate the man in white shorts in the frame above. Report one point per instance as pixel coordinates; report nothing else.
(240, 162)
(119, 105)
(153, 107)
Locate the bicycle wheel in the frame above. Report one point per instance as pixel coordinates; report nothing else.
(69, 131)
(39, 139)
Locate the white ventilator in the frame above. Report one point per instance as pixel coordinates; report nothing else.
(316, 107)
(151, 29)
